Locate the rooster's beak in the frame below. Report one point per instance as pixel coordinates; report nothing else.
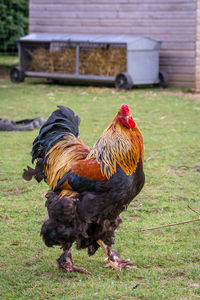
(126, 118)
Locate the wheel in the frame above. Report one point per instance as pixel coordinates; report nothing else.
(163, 79)
(123, 81)
(16, 75)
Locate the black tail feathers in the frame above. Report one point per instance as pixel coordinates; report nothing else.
(62, 122)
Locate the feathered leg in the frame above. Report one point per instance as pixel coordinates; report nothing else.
(114, 259)
(66, 264)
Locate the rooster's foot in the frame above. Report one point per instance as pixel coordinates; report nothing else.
(115, 262)
(119, 263)
(68, 267)
(65, 263)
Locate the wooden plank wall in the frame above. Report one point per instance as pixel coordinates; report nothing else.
(172, 21)
(198, 47)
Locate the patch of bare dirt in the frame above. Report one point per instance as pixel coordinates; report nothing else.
(195, 285)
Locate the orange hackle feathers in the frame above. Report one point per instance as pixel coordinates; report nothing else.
(118, 146)
(62, 156)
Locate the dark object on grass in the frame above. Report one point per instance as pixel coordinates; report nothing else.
(28, 124)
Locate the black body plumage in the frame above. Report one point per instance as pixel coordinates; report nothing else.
(91, 215)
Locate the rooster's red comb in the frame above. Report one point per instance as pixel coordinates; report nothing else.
(125, 109)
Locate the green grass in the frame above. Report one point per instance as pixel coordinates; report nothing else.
(8, 61)
(167, 259)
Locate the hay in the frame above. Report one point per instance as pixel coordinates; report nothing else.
(42, 60)
(92, 61)
(104, 62)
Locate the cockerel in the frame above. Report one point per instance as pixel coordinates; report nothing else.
(88, 188)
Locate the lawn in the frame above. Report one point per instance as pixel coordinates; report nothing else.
(6, 63)
(167, 260)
